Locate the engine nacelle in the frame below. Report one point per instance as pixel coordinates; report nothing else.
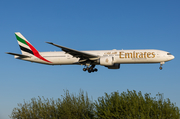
(115, 66)
(106, 61)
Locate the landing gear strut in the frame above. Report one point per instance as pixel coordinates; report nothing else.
(90, 69)
(161, 63)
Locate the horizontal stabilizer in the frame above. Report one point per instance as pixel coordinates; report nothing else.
(20, 55)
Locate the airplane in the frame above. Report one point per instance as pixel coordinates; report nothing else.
(108, 58)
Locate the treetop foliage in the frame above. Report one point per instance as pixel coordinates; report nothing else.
(125, 105)
(68, 107)
(132, 105)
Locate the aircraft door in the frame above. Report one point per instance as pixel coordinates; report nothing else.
(158, 54)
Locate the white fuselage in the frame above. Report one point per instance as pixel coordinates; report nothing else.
(119, 57)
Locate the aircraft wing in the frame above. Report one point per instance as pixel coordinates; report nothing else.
(76, 53)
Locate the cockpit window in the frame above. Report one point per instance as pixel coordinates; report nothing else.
(168, 53)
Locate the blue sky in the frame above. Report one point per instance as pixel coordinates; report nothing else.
(88, 25)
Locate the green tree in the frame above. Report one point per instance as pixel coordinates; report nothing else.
(68, 107)
(132, 105)
(127, 105)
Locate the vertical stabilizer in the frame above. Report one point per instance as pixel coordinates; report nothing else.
(25, 45)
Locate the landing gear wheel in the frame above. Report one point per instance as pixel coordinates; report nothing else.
(161, 63)
(89, 70)
(95, 70)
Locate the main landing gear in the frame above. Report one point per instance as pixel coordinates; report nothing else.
(90, 69)
(161, 63)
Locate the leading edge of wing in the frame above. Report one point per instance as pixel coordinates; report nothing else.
(75, 53)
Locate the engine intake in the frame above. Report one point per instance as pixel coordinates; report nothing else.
(106, 61)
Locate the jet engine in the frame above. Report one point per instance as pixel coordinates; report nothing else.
(115, 66)
(106, 61)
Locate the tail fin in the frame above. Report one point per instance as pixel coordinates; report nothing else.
(26, 48)
(25, 45)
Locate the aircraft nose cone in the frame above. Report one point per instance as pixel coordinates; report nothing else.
(170, 57)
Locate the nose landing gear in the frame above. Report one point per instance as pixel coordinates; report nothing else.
(90, 69)
(161, 63)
